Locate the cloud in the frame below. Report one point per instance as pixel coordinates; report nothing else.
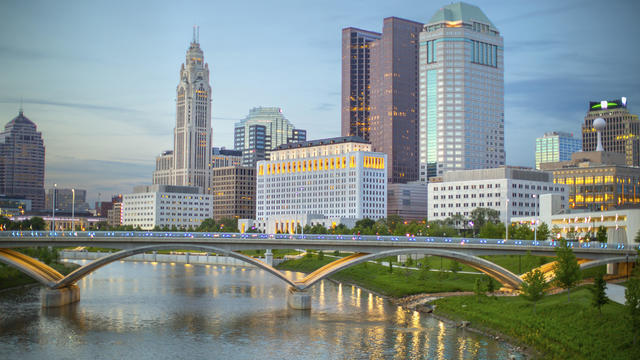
(98, 176)
(324, 107)
(67, 104)
(539, 13)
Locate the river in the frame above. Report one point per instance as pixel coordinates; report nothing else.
(135, 310)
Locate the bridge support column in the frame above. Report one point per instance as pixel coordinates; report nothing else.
(59, 297)
(268, 257)
(298, 299)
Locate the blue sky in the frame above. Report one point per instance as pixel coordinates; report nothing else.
(99, 78)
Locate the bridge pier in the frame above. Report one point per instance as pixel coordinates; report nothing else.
(59, 297)
(298, 299)
(268, 257)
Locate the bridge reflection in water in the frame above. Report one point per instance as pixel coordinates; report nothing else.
(62, 290)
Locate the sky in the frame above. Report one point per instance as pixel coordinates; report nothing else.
(99, 78)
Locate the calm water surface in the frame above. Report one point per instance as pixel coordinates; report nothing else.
(163, 311)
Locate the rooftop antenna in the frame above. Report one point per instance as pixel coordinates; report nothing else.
(194, 34)
(198, 34)
(21, 107)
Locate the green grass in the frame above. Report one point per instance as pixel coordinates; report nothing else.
(559, 330)
(399, 283)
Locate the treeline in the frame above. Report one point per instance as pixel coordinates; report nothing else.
(35, 223)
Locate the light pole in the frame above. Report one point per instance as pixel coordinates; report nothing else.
(53, 216)
(535, 219)
(506, 220)
(73, 208)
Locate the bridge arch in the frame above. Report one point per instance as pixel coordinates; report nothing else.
(98, 263)
(51, 278)
(504, 276)
(35, 269)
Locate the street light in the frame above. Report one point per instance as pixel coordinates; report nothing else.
(73, 208)
(53, 217)
(506, 220)
(535, 219)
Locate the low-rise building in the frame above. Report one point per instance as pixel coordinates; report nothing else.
(234, 192)
(622, 225)
(512, 191)
(598, 180)
(166, 205)
(336, 178)
(409, 201)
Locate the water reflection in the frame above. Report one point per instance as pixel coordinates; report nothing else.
(134, 310)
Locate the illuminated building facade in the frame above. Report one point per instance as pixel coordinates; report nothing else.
(598, 180)
(622, 131)
(189, 162)
(556, 146)
(166, 205)
(356, 81)
(22, 161)
(221, 157)
(461, 96)
(264, 129)
(394, 98)
(336, 178)
(234, 194)
(622, 225)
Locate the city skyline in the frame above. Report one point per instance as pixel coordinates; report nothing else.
(112, 74)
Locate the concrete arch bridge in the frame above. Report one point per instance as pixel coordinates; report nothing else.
(60, 289)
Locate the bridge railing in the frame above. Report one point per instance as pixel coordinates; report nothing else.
(31, 234)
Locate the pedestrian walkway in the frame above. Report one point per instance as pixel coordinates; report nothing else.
(616, 293)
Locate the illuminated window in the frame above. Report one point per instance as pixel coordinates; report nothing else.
(569, 181)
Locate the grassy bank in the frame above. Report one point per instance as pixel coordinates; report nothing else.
(559, 330)
(399, 283)
(12, 277)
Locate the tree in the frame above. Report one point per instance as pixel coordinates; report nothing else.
(320, 255)
(543, 231)
(481, 216)
(601, 235)
(455, 267)
(632, 303)
(599, 295)
(491, 286)
(566, 268)
(555, 231)
(492, 231)
(534, 286)
(478, 289)
(425, 267)
(390, 265)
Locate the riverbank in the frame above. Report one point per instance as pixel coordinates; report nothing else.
(558, 330)
(11, 277)
(399, 283)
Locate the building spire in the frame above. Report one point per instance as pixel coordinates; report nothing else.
(194, 34)
(21, 107)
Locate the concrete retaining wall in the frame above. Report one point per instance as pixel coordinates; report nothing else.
(166, 258)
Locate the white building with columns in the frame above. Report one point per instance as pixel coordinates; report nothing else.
(337, 178)
(512, 191)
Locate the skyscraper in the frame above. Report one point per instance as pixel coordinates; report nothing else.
(22, 161)
(356, 81)
(461, 77)
(191, 158)
(264, 129)
(556, 146)
(621, 133)
(394, 97)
